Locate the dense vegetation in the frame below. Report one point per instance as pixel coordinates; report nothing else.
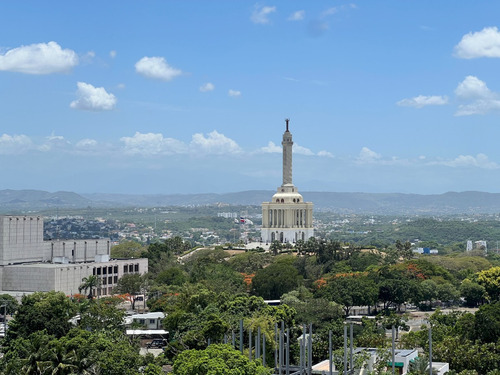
(207, 293)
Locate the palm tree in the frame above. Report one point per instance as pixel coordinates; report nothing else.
(90, 283)
(60, 362)
(33, 364)
(420, 366)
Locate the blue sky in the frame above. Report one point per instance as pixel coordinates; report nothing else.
(191, 96)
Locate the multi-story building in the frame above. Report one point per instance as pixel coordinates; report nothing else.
(29, 264)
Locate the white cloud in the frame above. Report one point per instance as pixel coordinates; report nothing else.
(215, 143)
(207, 87)
(325, 154)
(368, 156)
(152, 144)
(478, 161)
(478, 107)
(112, 54)
(299, 150)
(271, 148)
(483, 99)
(484, 43)
(234, 93)
(156, 68)
(329, 11)
(261, 14)
(92, 98)
(297, 16)
(41, 58)
(472, 87)
(120, 86)
(334, 10)
(86, 143)
(14, 144)
(55, 142)
(422, 101)
(149, 144)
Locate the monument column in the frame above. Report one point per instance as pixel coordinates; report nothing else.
(287, 156)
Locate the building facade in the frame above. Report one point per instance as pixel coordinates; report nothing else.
(30, 264)
(287, 218)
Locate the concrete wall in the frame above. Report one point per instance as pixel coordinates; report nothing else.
(43, 277)
(21, 239)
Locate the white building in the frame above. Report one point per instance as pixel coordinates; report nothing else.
(150, 320)
(287, 218)
(30, 264)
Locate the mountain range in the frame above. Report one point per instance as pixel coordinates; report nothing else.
(469, 202)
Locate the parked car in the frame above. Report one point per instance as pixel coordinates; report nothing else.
(157, 343)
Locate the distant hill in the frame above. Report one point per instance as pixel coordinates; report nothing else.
(470, 202)
(38, 199)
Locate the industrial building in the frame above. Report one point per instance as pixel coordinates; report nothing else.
(30, 264)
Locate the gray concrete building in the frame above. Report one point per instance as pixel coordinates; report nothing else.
(30, 264)
(287, 218)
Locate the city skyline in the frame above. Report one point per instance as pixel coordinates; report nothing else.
(191, 97)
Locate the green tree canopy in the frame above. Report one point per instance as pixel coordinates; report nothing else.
(276, 279)
(128, 249)
(490, 280)
(350, 290)
(216, 360)
(50, 311)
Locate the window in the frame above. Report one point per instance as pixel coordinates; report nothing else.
(104, 281)
(115, 279)
(116, 269)
(99, 271)
(152, 321)
(125, 268)
(136, 268)
(93, 271)
(110, 280)
(131, 268)
(142, 321)
(110, 269)
(104, 269)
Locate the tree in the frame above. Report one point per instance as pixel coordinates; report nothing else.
(404, 249)
(395, 292)
(216, 360)
(420, 366)
(50, 311)
(172, 276)
(11, 304)
(128, 249)
(276, 247)
(487, 322)
(130, 284)
(350, 290)
(276, 279)
(427, 292)
(59, 361)
(90, 283)
(391, 319)
(490, 280)
(473, 293)
(101, 315)
(447, 293)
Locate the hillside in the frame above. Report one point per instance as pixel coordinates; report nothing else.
(361, 203)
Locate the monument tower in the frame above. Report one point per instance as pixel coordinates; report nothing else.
(287, 218)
